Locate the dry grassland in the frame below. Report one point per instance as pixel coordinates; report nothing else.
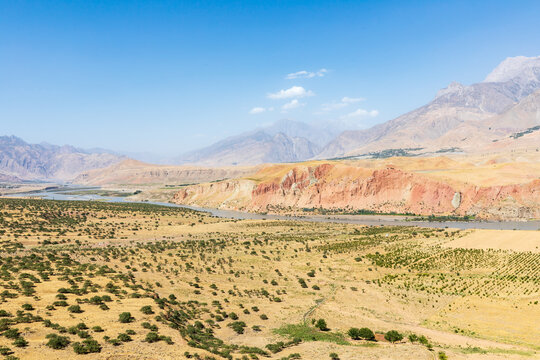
(201, 287)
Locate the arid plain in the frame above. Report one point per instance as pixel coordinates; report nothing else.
(140, 281)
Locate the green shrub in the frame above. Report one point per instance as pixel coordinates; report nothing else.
(57, 341)
(124, 337)
(152, 337)
(147, 310)
(363, 333)
(4, 350)
(20, 342)
(238, 326)
(11, 333)
(442, 356)
(76, 309)
(321, 325)
(125, 317)
(393, 336)
(86, 347)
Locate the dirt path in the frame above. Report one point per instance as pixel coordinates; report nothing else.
(318, 303)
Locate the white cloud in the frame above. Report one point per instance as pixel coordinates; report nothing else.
(291, 105)
(363, 113)
(306, 74)
(257, 110)
(348, 100)
(293, 92)
(345, 101)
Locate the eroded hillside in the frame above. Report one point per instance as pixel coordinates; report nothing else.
(494, 187)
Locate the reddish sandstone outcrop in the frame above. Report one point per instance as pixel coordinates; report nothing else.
(383, 190)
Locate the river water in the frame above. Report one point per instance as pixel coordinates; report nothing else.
(375, 220)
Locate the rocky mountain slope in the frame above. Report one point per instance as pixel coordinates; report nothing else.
(455, 119)
(25, 161)
(262, 146)
(439, 186)
(135, 172)
(453, 109)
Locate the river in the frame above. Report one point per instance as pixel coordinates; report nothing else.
(375, 220)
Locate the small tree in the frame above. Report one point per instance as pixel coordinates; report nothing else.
(321, 325)
(11, 333)
(125, 317)
(147, 310)
(238, 326)
(57, 342)
(363, 333)
(393, 336)
(354, 333)
(367, 334)
(152, 337)
(20, 342)
(76, 309)
(334, 356)
(86, 347)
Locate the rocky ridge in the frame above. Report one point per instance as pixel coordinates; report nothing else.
(339, 186)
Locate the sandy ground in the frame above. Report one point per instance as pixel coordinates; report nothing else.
(499, 240)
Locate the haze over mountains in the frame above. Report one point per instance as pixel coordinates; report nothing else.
(458, 118)
(283, 141)
(20, 160)
(502, 112)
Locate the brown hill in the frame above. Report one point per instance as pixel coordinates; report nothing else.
(136, 172)
(464, 117)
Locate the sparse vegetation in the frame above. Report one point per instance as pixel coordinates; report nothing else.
(121, 275)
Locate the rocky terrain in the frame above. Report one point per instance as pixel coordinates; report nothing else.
(436, 186)
(446, 121)
(20, 160)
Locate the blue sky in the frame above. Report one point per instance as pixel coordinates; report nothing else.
(170, 76)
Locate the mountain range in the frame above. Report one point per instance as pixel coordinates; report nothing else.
(445, 122)
(283, 141)
(459, 118)
(21, 160)
(501, 112)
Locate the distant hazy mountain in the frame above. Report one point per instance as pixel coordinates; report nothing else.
(453, 109)
(19, 159)
(284, 141)
(297, 129)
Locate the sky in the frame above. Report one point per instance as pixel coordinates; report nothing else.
(166, 77)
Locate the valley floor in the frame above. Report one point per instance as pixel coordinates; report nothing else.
(138, 281)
